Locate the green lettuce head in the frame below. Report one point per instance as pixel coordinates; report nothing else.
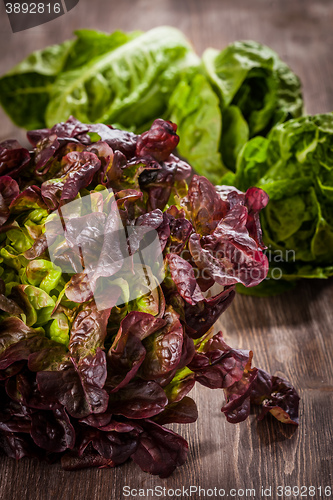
(294, 165)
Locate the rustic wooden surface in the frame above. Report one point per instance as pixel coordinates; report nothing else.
(290, 335)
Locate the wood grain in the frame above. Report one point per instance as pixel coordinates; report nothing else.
(291, 335)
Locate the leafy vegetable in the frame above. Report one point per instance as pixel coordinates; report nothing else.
(252, 77)
(30, 83)
(130, 79)
(118, 78)
(194, 106)
(99, 348)
(294, 166)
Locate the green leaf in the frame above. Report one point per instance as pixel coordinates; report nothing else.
(11, 257)
(294, 165)
(36, 304)
(235, 135)
(25, 90)
(129, 84)
(251, 163)
(267, 288)
(19, 239)
(43, 273)
(195, 108)
(252, 77)
(59, 329)
(90, 44)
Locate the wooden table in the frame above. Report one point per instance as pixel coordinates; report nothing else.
(291, 335)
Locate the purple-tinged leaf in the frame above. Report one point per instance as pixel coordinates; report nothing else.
(88, 331)
(23, 389)
(22, 349)
(111, 445)
(127, 351)
(129, 203)
(9, 190)
(105, 154)
(115, 172)
(184, 411)
(159, 450)
(140, 324)
(158, 183)
(13, 417)
(70, 129)
(12, 370)
(217, 365)
(52, 430)
(29, 199)
(152, 219)
(122, 426)
(238, 405)
(163, 348)
(38, 248)
(200, 317)
(13, 330)
(48, 358)
(229, 255)
(97, 420)
(183, 169)
(73, 461)
(163, 231)
(18, 445)
(182, 274)
(178, 383)
(108, 258)
(78, 170)
(118, 140)
(180, 229)
(206, 206)
(277, 396)
(68, 385)
(158, 142)
(13, 158)
(138, 399)
(255, 200)
(46, 148)
(9, 306)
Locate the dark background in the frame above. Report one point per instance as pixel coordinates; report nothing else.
(291, 335)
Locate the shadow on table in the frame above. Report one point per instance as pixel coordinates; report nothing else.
(270, 430)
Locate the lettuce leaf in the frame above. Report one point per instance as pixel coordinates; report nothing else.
(93, 379)
(130, 79)
(294, 166)
(252, 77)
(25, 90)
(194, 106)
(119, 78)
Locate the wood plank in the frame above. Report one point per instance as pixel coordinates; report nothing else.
(290, 335)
